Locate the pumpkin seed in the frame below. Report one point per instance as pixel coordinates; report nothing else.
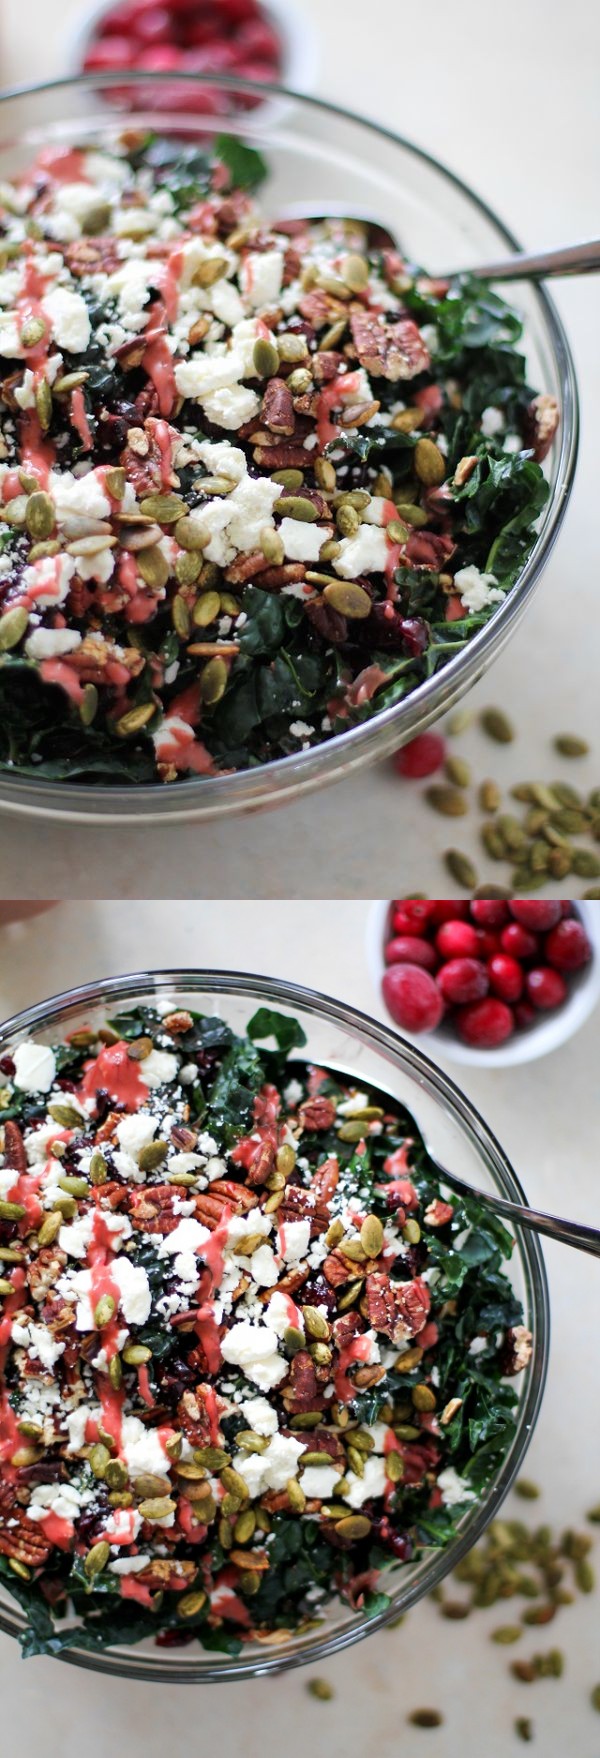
(595, 892)
(66, 1206)
(98, 1168)
(355, 272)
(371, 1236)
(348, 521)
(43, 404)
(407, 420)
(584, 1576)
(359, 498)
(153, 567)
(213, 682)
(190, 1604)
(569, 745)
(32, 331)
(353, 1527)
(152, 1155)
(585, 864)
(497, 726)
(426, 1718)
(423, 1398)
(88, 706)
(187, 567)
(39, 518)
(12, 627)
(116, 1474)
(104, 1311)
(288, 478)
(70, 381)
(135, 1354)
(244, 1527)
(461, 868)
(272, 547)
(595, 1697)
(97, 1558)
(296, 506)
(489, 797)
(348, 599)
(135, 719)
(292, 348)
(315, 1323)
(50, 1229)
(458, 771)
(321, 1354)
(166, 509)
(394, 1466)
(156, 1508)
(266, 358)
(412, 515)
(450, 801)
(114, 480)
(306, 1419)
(406, 1431)
(293, 1339)
(325, 476)
(295, 1495)
(11, 1211)
(209, 271)
(99, 1458)
(493, 842)
(429, 463)
(249, 1441)
(214, 1458)
(66, 1116)
(180, 617)
(322, 1690)
(349, 1297)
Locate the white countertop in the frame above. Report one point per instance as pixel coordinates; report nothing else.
(548, 1119)
(508, 99)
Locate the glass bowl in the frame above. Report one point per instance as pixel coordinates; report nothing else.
(319, 156)
(337, 1036)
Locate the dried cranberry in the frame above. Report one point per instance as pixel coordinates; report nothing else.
(421, 757)
(321, 1294)
(412, 998)
(175, 1638)
(7, 1066)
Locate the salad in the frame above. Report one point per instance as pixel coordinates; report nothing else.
(258, 480)
(251, 1355)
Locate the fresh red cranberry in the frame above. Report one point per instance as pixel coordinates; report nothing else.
(258, 40)
(566, 908)
(488, 943)
(421, 757)
(238, 11)
(197, 33)
(538, 916)
(118, 20)
(463, 979)
(485, 1024)
(506, 977)
(159, 58)
(518, 942)
(154, 25)
(259, 71)
(525, 1015)
(457, 940)
(418, 911)
(489, 915)
(7, 1066)
(215, 58)
(567, 946)
(406, 949)
(412, 998)
(545, 987)
(443, 911)
(402, 923)
(111, 53)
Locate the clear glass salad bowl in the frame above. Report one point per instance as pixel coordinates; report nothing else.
(337, 1036)
(323, 157)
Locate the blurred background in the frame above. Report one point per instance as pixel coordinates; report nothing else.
(488, 91)
(546, 1116)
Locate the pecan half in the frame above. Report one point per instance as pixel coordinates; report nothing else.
(301, 1391)
(277, 409)
(245, 567)
(14, 1147)
(24, 1541)
(540, 424)
(393, 351)
(289, 574)
(283, 457)
(317, 1113)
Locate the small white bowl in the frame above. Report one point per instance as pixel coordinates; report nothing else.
(552, 1029)
(299, 63)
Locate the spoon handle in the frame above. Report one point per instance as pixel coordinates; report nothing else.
(573, 259)
(567, 1232)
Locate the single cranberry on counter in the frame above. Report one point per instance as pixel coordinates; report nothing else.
(457, 940)
(485, 1024)
(412, 998)
(538, 916)
(489, 915)
(421, 757)
(545, 987)
(567, 946)
(444, 911)
(506, 977)
(518, 942)
(463, 979)
(406, 949)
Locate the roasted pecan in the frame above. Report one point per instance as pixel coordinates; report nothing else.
(301, 1391)
(24, 1540)
(91, 256)
(389, 350)
(338, 1269)
(194, 1414)
(344, 1328)
(438, 1213)
(292, 265)
(282, 457)
(177, 1023)
(516, 1351)
(245, 566)
(413, 1301)
(14, 1147)
(319, 308)
(326, 365)
(317, 1113)
(325, 1180)
(153, 1209)
(44, 1271)
(212, 1204)
(330, 625)
(539, 425)
(172, 1573)
(277, 409)
(381, 1305)
(425, 549)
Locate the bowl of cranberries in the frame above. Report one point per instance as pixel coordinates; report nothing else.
(267, 41)
(493, 982)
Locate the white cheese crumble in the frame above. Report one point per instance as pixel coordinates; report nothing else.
(51, 643)
(272, 1468)
(453, 1488)
(367, 553)
(361, 1489)
(35, 1064)
(477, 590)
(260, 1415)
(69, 317)
(254, 1349)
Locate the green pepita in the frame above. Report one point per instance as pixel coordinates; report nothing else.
(348, 599)
(497, 726)
(450, 801)
(213, 682)
(135, 719)
(97, 1558)
(12, 627)
(296, 506)
(266, 358)
(461, 868)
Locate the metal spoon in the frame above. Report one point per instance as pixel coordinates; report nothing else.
(541, 265)
(568, 1232)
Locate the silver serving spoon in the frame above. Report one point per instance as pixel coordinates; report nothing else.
(540, 265)
(567, 1232)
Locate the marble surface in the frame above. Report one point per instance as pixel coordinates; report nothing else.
(547, 1117)
(492, 99)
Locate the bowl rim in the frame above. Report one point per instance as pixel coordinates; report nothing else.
(401, 1053)
(287, 777)
(550, 1031)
